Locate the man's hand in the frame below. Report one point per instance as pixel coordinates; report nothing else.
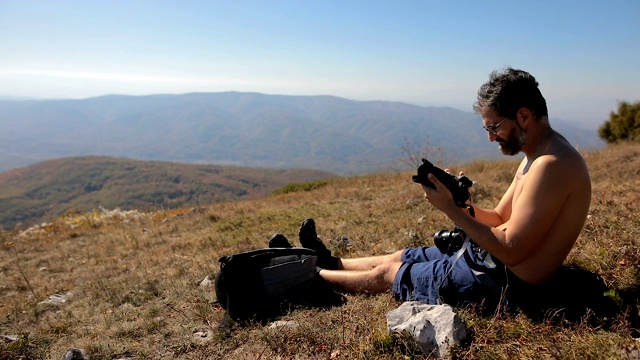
(461, 173)
(448, 171)
(440, 197)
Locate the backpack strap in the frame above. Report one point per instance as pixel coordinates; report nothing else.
(225, 319)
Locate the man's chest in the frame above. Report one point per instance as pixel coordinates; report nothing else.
(520, 182)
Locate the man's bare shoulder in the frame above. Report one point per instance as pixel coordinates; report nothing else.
(562, 159)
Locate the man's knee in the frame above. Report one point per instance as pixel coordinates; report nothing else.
(386, 273)
(393, 257)
(397, 256)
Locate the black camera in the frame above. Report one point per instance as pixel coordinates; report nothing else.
(449, 241)
(458, 185)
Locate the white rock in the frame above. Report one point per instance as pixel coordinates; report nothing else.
(55, 300)
(203, 337)
(74, 354)
(283, 323)
(9, 338)
(207, 282)
(434, 327)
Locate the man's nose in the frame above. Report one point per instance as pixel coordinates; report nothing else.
(492, 137)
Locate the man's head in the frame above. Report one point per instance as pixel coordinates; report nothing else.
(512, 97)
(508, 91)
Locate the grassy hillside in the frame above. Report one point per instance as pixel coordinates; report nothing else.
(134, 277)
(80, 184)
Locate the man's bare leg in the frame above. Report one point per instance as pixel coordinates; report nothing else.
(368, 274)
(377, 279)
(369, 263)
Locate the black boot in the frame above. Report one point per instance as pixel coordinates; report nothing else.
(309, 239)
(279, 241)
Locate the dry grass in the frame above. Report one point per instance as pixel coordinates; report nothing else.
(135, 280)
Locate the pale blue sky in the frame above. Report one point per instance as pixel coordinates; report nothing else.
(585, 54)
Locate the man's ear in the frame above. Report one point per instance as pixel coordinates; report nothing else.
(524, 117)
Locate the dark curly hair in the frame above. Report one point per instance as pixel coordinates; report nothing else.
(509, 90)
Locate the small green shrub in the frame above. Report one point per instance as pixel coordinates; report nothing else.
(298, 187)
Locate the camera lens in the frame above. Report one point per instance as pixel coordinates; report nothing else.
(448, 242)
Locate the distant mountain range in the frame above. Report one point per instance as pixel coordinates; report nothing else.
(247, 129)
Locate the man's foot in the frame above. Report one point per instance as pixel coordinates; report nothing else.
(279, 241)
(309, 239)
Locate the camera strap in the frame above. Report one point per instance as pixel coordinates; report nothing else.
(465, 245)
(478, 270)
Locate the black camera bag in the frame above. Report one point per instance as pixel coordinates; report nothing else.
(261, 284)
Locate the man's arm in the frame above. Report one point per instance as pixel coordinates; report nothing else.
(532, 213)
(501, 213)
(548, 184)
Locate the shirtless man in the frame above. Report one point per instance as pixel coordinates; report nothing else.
(528, 234)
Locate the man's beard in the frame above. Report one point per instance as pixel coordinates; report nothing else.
(514, 142)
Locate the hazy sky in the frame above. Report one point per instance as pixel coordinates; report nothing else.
(585, 54)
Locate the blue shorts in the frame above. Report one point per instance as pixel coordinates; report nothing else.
(424, 276)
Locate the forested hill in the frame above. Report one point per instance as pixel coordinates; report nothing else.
(52, 187)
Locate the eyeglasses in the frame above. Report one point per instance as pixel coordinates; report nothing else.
(493, 129)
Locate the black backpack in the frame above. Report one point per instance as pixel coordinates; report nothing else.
(264, 283)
